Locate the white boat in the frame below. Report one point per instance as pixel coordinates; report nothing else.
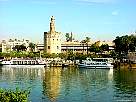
(96, 63)
(23, 62)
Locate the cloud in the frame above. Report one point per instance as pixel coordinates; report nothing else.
(115, 13)
(95, 1)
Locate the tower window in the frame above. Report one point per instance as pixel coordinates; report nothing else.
(57, 47)
(48, 47)
(53, 39)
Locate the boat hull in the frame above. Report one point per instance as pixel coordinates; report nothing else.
(23, 63)
(26, 66)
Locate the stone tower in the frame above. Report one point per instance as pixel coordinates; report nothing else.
(52, 41)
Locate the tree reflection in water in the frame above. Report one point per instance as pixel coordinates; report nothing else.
(125, 84)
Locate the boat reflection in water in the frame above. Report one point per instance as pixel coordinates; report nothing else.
(12, 77)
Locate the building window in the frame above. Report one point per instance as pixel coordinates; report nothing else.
(57, 39)
(53, 39)
(57, 47)
(48, 47)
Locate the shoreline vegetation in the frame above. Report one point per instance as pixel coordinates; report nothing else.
(67, 56)
(17, 95)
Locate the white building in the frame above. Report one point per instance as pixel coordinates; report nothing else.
(8, 46)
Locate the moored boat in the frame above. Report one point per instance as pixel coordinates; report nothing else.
(23, 62)
(101, 63)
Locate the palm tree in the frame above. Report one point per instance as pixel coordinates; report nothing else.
(67, 37)
(83, 42)
(86, 41)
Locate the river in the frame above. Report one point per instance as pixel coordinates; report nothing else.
(71, 84)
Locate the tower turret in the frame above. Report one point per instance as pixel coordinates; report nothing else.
(52, 25)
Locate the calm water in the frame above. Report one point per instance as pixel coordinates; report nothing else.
(72, 84)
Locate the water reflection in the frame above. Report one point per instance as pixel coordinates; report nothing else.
(95, 83)
(125, 84)
(19, 77)
(51, 82)
(72, 84)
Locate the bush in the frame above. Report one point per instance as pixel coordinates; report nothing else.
(13, 96)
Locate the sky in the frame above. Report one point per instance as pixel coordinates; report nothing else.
(97, 19)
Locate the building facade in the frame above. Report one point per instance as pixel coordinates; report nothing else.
(77, 47)
(8, 46)
(52, 41)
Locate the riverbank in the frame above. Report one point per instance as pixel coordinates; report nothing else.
(125, 65)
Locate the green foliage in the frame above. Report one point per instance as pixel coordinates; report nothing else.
(68, 37)
(70, 55)
(113, 54)
(19, 48)
(32, 46)
(20, 54)
(125, 43)
(104, 47)
(45, 55)
(53, 55)
(14, 96)
(0, 54)
(94, 48)
(80, 56)
(86, 41)
(5, 55)
(62, 55)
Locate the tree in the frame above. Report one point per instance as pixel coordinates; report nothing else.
(62, 55)
(86, 41)
(67, 37)
(80, 56)
(70, 55)
(16, 48)
(83, 42)
(104, 47)
(22, 47)
(94, 48)
(125, 43)
(32, 46)
(19, 48)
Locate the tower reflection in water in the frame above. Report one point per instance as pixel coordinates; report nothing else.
(51, 82)
(75, 84)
